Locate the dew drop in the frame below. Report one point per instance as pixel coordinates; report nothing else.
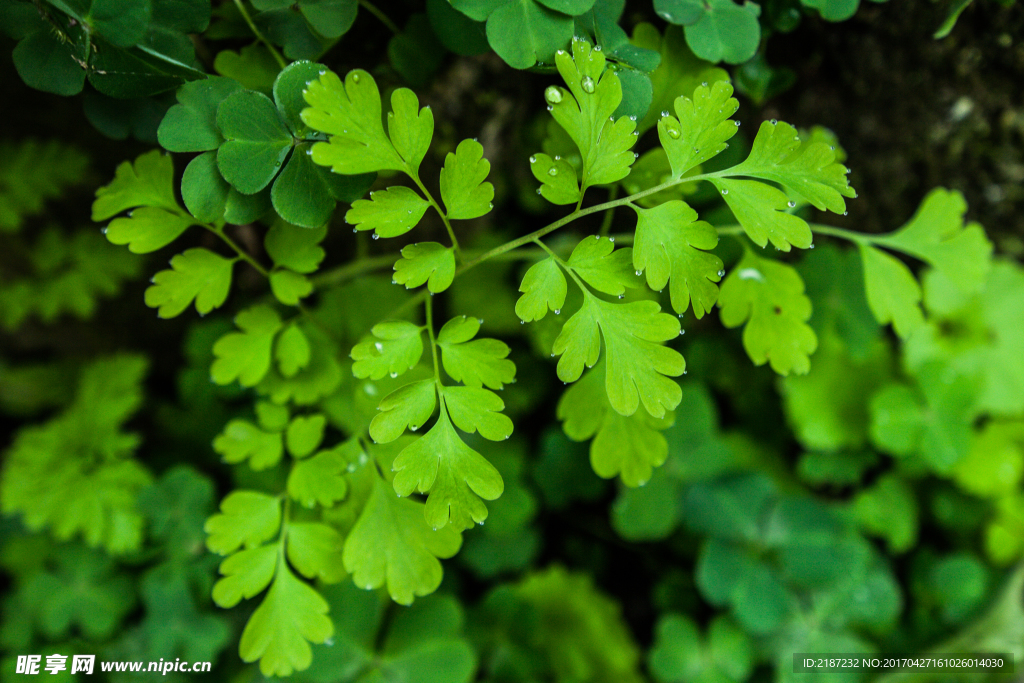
(379, 346)
(682, 332)
(394, 374)
(550, 107)
(725, 191)
(522, 322)
(845, 212)
(558, 311)
(533, 159)
(664, 113)
(791, 204)
(721, 273)
(684, 372)
(587, 84)
(538, 190)
(611, 239)
(635, 155)
(355, 78)
(832, 147)
(632, 117)
(355, 229)
(558, 158)
(103, 230)
(737, 123)
(597, 48)
(811, 246)
(704, 83)
(775, 122)
(552, 171)
(376, 236)
(639, 272)
(553, 95)
(622, 296)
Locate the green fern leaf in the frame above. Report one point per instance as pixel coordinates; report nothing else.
(305, 434)
(426, 262)
(245, 355)
(295, 248)
(605, 270)
(196, 274)
(892, 290)
(242, 440)
(315, 551)
(246, 574)
(671, 243)
(769, 297)
(147, 182)
(557, 177)
(410, 128)
(408, 407)
(246, 518)
(463, 188)
(350, 113)
(638, 366)
(319, 479)
(391, 543)
(762, 210)
(289, 287)
(455, 476)
(147, 229)
(482, 362)
(390, 213)
(292, 351)
(395, 349)
(544, 288)
(700, 128)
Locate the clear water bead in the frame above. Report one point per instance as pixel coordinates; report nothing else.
(775, 122)
(791, 204)
(704, 83)
(632, 117)
(533, 159)
(552, 171)
(558, 311)
(845, 212)
(587, 83)
(376, 236)
(737, 123)
(553, 95)
(725, 191)
(394, 374)
(664, 113)
(355, 78)
(639, 273)
(673, 133)
(721, 273)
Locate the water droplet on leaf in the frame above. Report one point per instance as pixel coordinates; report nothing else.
(552, 171)
(553, 95)
(587, 84)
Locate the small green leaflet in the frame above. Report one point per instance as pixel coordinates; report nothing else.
(481, 362)
(320, 479)
(291, 614)
(638, 366)
(557, 177)
(426, 262)
(392, 543)
(627, 446)
(147, 229)
(455, 475)
(395, 349)
(810, 172)
(350, 113)
(191, 125)
(769, 297)
(391, 212)
(410, 128)
(702, 128)
(197, 274)
(304, 434)
(544, 288)
(245, 355)
(315, 550)
(762, 211)
(463, 187)
(289, 287)
(936, 234)
(586, 114)
(605, 270)
(892, 291)
(668, 244)
(407, 407)
(241, 440)
(246, 518)
(246, 574)
(147, 182)
(681, 655)
(291, 351)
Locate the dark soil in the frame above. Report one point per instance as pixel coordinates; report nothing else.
(914, 113)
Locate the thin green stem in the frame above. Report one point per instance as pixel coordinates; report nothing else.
(372, 9)
(730, 230)
(857, 237)
(352, 270)
(565, 266)
(606, 224)
(448, 226)
(259, 34)
(429, 306)
(219, 232)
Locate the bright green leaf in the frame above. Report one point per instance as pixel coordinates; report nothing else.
(289, 287)
(463, 187)
(245, 355)
(315, 551)
(762, 210)
(395, 349)
(455, 476)
(391, 212)
(524, 32)
(149, 181)
(893, 293)
(724, 32)
(320, 479)
(246, 518)
(407, 407)
(295, 248)
(242, 440)
(426, 262)
(769, 297)
(197, 274)
(638, 366)
(671, 243)
(291, 351)
(557, 178)
(702, 128)
(544, 288)
(304, 435)
(350, 113)
(474, 409)
(482, 362)
(410, 128)
(392, 543)
(605, 270)
(147, 229)
(246, 574)
(191, 125)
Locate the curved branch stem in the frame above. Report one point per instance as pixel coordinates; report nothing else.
(259, 34)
